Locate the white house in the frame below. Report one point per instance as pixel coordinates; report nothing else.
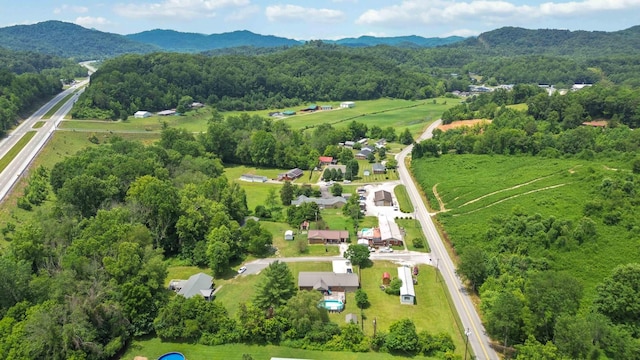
(347, 104)
(142, 114)
(407, 292)
(288, 235)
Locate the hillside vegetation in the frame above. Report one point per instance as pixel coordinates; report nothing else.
(542, 212)
(69, 41)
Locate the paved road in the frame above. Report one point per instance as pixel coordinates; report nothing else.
(401, 257)
(14, 170)
(478, 340)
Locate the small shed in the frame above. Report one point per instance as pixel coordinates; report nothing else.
(386, 278)
(351, 318)
(347, 104)
(142, 114)
(288, 235)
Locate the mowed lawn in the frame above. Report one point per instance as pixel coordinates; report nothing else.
(154, 348)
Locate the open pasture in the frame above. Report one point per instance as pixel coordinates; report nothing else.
(477, 188)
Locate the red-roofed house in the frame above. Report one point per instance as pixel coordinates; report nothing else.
(325, 160)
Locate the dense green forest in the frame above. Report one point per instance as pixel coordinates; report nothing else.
(520, 263)
(27, 78)
(69, 40)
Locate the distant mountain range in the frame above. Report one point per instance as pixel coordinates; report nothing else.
(72, 41)
(69, 41)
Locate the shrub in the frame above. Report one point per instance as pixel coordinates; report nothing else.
(418, 243)
(394, 287)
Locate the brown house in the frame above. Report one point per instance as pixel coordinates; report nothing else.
(328, 281)
(327, 236)
(383, 198)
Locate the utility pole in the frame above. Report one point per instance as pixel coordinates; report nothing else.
(466, 342)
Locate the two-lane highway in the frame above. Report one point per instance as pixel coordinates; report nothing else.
(477, 338)
(12, 172)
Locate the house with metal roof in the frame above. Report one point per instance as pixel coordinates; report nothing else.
(324, 203)
(407, 292)
(198, 284)
(378, 168)
(290, 175)
(383, 198)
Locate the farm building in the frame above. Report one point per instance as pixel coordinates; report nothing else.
(327, 236)
(310, 108)
(347, 104)
(407, 292)
(288, 235)
(378, 168)
(198, 284)
(324, 203)
(383, 198)
(142, 114)
(288, 112)
(166, 112)
(290, 175)
(196, 105)
(326, 107)
(328, 281)
(390, 233)
(253, 178)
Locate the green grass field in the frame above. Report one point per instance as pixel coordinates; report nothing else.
(15, 150)
(413, 231)
(476, 188)
(403, 199)
(56, 107)
(416, 115)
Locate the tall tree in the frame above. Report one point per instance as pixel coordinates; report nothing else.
(617, 296)
(275, 286)
(358, 255)
(472, 266)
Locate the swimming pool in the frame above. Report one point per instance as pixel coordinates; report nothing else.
(172, 356)
(333, 305)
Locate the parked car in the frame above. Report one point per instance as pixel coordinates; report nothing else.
(386, 250)
(242, 269)
(372, 249)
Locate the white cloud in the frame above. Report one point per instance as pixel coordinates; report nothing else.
(71, 8)
(277, 13)
(243, 13)
(491, 11)
(461, 32)
(90, 21)
(183, 9)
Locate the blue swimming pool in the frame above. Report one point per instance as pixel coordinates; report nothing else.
(172, 356)
(333, 305)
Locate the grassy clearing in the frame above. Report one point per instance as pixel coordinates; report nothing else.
(492, 180)
(413, 230)
(57, 107)
(15, 150)
(154, 348)
(521, 107)
(415, 115)
(403, 199)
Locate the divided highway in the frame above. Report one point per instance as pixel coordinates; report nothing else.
(14, 170)
(474, 330)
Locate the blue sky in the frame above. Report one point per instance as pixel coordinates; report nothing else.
(329, 19)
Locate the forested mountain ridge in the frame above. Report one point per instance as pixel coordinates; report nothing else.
(69, 40)
(191, 42)
(520, 41)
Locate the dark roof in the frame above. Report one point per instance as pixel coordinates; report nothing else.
(196, 285)
(295, 172)
(379, 167)
(382, 195)
(327, 279)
